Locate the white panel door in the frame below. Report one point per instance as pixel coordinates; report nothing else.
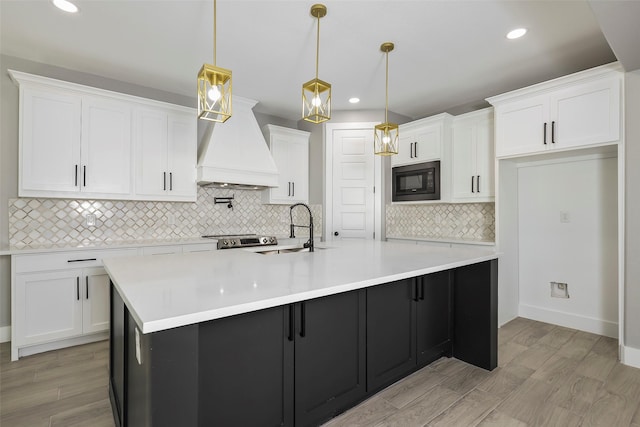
(485, 159)
(428, 143)
(586, 114)
(50, 306)
(280, 151)
(182, 148)
(353, 178)
(95, 303)
(50, 141)
(299, 169)
(106, 146)
(520, 126)
(463, 161)
(151, 152)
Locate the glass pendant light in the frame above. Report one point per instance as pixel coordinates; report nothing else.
(386, 136)
(316, 94)
(214, 87)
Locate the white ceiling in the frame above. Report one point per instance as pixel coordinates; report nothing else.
(449, 54)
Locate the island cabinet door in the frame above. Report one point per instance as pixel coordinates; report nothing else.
(246, 370)
(391, 332)
(434, 317)
(329, 356)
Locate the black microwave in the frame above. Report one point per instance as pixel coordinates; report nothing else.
(416, 182)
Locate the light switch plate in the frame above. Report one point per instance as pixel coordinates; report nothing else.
(91, 220)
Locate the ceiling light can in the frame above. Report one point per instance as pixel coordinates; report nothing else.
(65, 5)
(517, 33)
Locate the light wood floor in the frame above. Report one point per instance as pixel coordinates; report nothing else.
(547, 376)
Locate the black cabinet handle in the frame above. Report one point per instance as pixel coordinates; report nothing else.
(293, 188)
(75, 182)
(472, 190)
(77, 288)
(553, 132)
(414, 289)
(170, 181)
(84, 176)
(478, 183)
(289, 188)
(86, 287)
(421, 289)
(415, 150)
(544, 133)
(81, 260)
(164, 181)
(290, 332)
(303, 319)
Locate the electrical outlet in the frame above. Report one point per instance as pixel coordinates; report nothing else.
(559, 290)
(90, 220)
(564, 216)
(171, 219)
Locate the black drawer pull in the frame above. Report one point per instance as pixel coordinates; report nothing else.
(544, 133)
(472, 190)
(86, 286)
(170, 181)
(290, 332)
(76, 177)
(421, 289)
(164, 181)
(77, 288)
(553, 132)
(84, 176)
(478, 183)
(82, 260)
(303, 322)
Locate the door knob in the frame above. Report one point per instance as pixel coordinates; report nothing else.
(335, 233)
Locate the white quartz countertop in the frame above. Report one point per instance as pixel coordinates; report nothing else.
(168, 291)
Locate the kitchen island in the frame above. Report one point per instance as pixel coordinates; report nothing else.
(241, 338)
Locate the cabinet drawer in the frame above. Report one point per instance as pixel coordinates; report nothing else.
(26, 263)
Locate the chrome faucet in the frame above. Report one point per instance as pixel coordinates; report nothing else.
(309, 243)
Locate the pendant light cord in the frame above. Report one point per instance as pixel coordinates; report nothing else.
(317, 46)
(386, 94)
(214, 32)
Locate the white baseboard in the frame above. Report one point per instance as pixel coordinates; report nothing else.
(5, 333)
(630, 356)
(570, 320)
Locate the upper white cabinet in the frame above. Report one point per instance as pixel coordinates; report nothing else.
(290, 151)
(73, 145)
(422, 140)
(472, 159)
(579, 110)
(165, 141)
(78, 142)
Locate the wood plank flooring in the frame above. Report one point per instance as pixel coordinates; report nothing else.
(547, 376)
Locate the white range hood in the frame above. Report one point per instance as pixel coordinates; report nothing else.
(235, 154)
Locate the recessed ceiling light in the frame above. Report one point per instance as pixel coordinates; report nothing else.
(517, 33)
(65, 5)
(354, 100)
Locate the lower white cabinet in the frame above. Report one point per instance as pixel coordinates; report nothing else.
(59, 299)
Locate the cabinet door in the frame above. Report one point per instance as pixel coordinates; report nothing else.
(106, 146)
(520, 126)
(49, 141)
(182, 146)
(428, 143)
(329, 356)
(95, 304)
(280, 151)
(246, 378)
(434, 325)
(464, 161)
(391, 342)
(586, 114)
(48, 306)
(484, 160)
(151, 152)
(299, 170)
(405, 149)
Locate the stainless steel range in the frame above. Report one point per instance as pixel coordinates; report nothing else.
(229, 241)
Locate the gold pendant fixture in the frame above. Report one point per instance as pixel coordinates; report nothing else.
(214, 87)
(386, 136)
(316, 94)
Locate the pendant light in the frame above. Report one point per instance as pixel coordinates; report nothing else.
(214, 87)
(316, 94)
(385, 140)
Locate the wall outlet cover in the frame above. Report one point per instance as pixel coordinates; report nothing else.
(91, 220)
(559, 290)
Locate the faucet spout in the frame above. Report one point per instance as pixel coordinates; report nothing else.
(292, 226)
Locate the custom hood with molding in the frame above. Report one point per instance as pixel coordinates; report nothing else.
(235, 154)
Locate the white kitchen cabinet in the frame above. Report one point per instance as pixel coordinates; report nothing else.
(165, 160)
(290, 151)
(72, 144)
(473, 157)
(59, 299)
(422, 140)
(580, 110)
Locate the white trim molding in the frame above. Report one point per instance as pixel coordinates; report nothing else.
(630, 356)
(5, 333)
(570, 320)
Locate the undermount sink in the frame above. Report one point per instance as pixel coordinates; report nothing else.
(287, 250)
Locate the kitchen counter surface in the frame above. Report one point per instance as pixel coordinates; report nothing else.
(163, 292)
(443, 240)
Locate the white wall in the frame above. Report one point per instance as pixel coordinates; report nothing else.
(581, 252)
